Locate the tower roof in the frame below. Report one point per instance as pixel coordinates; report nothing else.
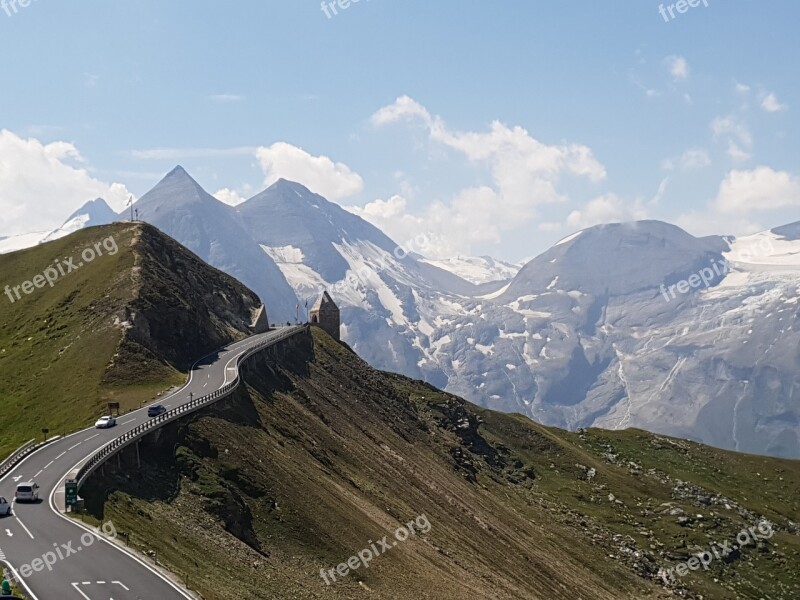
(324, 302)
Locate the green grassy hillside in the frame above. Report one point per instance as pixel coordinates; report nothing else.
(120, 327)
(321, 455)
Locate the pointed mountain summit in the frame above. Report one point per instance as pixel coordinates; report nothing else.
(180, 207)
(289, 214)
(97, 211)
(93, 213)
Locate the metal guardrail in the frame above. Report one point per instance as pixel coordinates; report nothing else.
(151, 425)
(16, 456)
(20, 453)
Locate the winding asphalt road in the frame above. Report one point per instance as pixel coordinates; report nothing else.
(87, 566)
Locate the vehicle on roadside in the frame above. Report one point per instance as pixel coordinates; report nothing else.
(105, 422)
(27, 491)
(5, 508)
(156, 410)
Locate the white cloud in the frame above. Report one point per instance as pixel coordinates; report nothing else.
(742, 88)
(736, 153)
(694, 158)
(678, 67)
(226, 98)
(769, 103)
(701, 223)
(318, 173)
(608, 208)
(731, 127)
(736, 134)
(229, 196)
(41, 184)
(759, 189)
(402, 108)
(525, 173)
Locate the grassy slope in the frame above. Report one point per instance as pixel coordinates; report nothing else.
(309, 464)
(64, 351)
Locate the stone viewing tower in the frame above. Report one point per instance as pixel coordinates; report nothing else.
(325, 315)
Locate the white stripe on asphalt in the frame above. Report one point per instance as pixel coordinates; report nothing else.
(77, 587)
(25, 528)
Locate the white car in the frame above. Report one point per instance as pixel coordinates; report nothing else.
(105, 422)
(27, 491)
(5, 507)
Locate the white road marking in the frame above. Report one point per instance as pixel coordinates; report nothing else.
(25, 528)
(77, 587)
(8, 531)
(101, 583)
(48, 464)
(124, 587)
(39, 473)
(75, 446)
(17, 478)
(60, 455)
(91, 438)
(126, 422)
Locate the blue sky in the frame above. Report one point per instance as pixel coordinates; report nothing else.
(517, 122)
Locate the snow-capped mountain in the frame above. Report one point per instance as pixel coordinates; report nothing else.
(378, 285)
(477, 269)
(211, 229)
(585, 335)
(94, 212)
(624, 325)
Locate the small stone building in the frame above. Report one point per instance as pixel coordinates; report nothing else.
(325, 314)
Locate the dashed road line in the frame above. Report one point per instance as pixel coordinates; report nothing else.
(75, 446)
(124, 587)
(60, 455)
(91, 438)
(126, 422)
(48, 464)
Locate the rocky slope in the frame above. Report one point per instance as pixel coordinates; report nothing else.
(120, 327)
(320, 456)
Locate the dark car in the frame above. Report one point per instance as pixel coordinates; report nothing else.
(155, 410)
